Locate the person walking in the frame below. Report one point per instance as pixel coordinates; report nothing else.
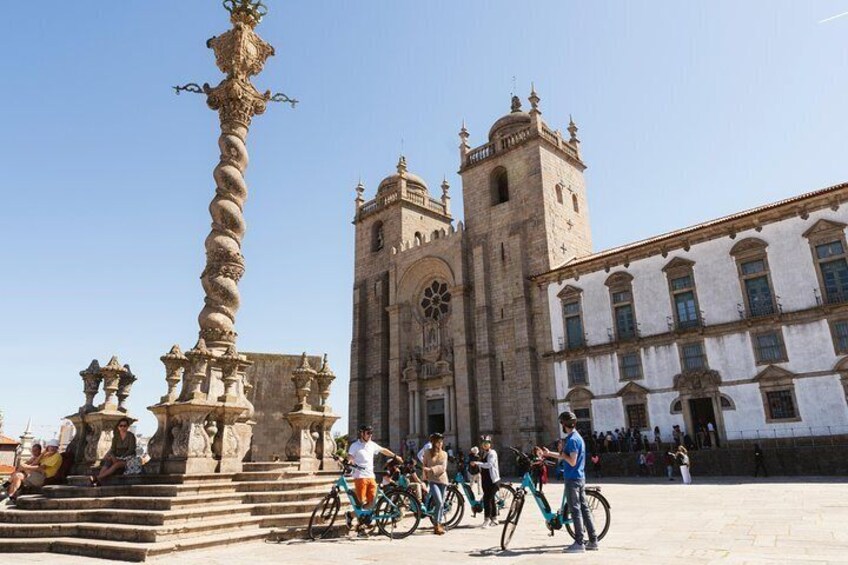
(596, 465)
(668, 459)
(538, 469)
(436, 475)
(682, 458)
(490, 477)
(650, 460)
(643, 464)
(574, 455)
(759, 460)
(657, 438)
(713, 436)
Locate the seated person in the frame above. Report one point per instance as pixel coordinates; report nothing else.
(123, 449)
(391, 473)
(24, 468)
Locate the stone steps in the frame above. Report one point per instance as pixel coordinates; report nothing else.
(286, 495)
(38, 502)
(269, 466)
(124, 516)
(286, 485)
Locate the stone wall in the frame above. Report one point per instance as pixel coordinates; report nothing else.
(273, 397)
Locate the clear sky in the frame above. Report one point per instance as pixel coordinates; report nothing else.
(687, 111)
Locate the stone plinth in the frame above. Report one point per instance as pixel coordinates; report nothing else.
(306, 433)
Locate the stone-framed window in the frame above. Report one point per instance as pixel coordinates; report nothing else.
(754, 277)
(830, 255)
(684, 297)
(634, 400)
(693, 356)
(435, 300)
(777, 388)
(572, 316)
(577, 373)
(676, 406)
(558, 190)
(575, 204)
(630, 366)
(726, 402)
(839, 333)
(621, 301)
(637, 416)
(378, 236)
(500, 186)
(769, 347)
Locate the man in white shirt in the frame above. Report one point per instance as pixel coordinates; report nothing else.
(362, 453)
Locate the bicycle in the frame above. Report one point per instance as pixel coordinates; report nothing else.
(396, 513)
(454, 503)
(598, 506)
(503, 498)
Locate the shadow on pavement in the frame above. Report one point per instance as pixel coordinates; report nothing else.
(517, 552)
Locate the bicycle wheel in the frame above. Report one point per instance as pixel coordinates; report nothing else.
(503, 498)
(511, 521)
(323, 516)
(397, 514)
(454, 507)
(600, 510)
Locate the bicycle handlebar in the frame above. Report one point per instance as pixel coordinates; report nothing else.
(347, 465)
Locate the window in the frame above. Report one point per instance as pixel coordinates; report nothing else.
(621, 297)
(677, 407)
(584, 421)
(768, 348)
(572, 316)
(559, 193)
(630, 366)
(577, 373)
(435, 303)
(753, 269)
(378, 238)
(839, 332)
(575, 204)
(726, 403)
(419, 239)
(684, 300)
(692, 357)
(500, 186)
(827, 243)
(637, 416)
(781, 405)
(777, 387)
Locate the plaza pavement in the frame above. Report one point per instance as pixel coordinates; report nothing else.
(714, 520)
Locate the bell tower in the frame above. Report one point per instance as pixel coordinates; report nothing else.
(526, 213)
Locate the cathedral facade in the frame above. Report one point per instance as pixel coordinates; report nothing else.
(446, 319)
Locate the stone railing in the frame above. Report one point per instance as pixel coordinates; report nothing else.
(515, 138)
(480, 154)
(484, 152)
(384, 200)
(95, 425)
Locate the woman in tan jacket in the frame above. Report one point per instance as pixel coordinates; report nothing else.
(436, 474)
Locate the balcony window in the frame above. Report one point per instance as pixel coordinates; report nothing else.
(621, 299)
(684, 298)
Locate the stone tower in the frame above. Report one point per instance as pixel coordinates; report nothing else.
(402, 215)
(526, 213)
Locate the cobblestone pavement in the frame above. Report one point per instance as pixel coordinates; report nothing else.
(653, 521)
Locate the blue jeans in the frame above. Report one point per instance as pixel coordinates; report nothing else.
(575, 496)
(437, 499)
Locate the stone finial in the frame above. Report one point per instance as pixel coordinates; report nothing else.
(198, 358)
(125, 382)
(230, 365)
(401, 166)
(360, 194)
(302, 377)
(175, 365)
(534, 100)
(111, 373)
(516, 104)
(572, 131)
(323, 379)
(91, 379)
(445, 188)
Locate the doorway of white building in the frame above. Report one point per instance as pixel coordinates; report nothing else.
(435, 415)
(701, 412)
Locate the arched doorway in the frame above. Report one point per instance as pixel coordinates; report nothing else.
(700, 400)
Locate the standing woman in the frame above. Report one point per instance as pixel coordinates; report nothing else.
(436, 474)
(683, 460)
(491, 477)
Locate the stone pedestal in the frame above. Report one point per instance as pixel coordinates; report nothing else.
(306, 432)
(327, 447)
(191, 431)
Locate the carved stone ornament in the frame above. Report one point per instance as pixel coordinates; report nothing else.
(175, 365)
(125, 383)
(91, 379)
(112, 374)
(302, 377)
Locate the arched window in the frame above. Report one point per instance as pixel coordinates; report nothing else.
(377, 237)
(436, 234)
(559, 193)
(419, 239)
(575, 203)
(500, 186)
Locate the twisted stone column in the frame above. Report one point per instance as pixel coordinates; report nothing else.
(240, 54)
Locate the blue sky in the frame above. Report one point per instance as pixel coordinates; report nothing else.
(687, 111)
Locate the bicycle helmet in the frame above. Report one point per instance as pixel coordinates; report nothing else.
(568, 416)
(436, 435)
(366, 428)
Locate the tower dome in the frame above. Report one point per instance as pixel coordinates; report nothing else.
(512, 122)
(414, 183)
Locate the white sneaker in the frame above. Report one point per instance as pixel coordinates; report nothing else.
(486, 524)
(493, 523)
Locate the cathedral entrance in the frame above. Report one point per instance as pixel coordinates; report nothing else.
(435, 415)
(701, 413)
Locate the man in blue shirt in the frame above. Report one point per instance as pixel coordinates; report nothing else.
(574, 456)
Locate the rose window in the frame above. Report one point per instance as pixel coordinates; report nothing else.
(436, 301)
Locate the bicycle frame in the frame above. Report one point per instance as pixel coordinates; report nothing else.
(342, 486)
(476, 505)
(555, 519)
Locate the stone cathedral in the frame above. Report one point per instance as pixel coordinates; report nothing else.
(447, 324)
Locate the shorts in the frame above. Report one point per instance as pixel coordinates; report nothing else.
(366, 490)
(35, 479)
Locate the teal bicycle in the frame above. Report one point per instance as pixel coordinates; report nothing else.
(503, 498)
(598, 506)
(454, 504)
(396, 512)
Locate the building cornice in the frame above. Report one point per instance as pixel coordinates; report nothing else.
(728, 226)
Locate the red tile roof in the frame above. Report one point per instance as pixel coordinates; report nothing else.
(6, 469)
(8, 441)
